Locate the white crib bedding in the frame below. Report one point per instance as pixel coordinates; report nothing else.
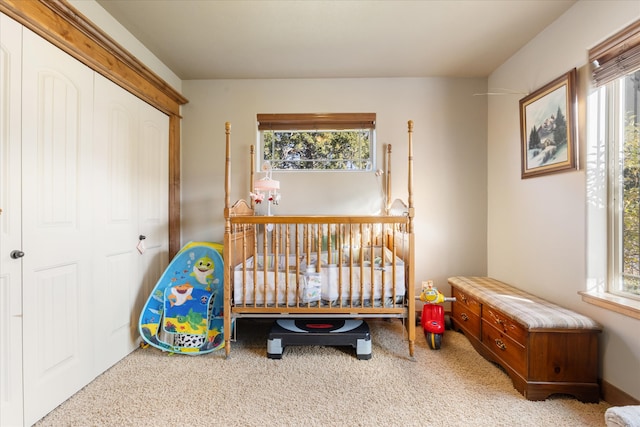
(323, 287)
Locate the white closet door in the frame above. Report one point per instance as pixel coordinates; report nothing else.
(131, 200)
(57, 224)
(116, 274)
(10, 223)
(153, 187)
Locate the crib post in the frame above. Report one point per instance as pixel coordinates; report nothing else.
(411, 303)
(226, 256)
(387, 193)
(253, 168)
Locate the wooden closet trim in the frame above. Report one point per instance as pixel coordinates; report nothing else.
(65, 27)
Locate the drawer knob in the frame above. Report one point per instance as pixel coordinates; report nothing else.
(464, 316)
(500, 344)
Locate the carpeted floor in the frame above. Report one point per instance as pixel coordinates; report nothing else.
(316, 386)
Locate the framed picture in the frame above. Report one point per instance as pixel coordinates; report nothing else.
(547, 127)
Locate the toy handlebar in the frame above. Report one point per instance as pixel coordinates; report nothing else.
(431, 295)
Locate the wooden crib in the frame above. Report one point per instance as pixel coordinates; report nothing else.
(316, 266)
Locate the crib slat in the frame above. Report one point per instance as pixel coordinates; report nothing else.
(340, 244)
(297, 266)
(318, 246)
(286, 264)
(276, 260)
(393, 265)
(372, 256)
(383, 270)
(244, 264)
(351, 257)
(362, 247)
(307, 240)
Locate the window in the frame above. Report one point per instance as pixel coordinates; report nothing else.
(613, 172)
(317, 141)
(618, 115)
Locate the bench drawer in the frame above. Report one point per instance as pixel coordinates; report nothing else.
(505, 325)
(466, 319)
(465, 300)
(508, 350)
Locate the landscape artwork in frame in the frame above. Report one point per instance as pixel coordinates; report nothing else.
(547, 128)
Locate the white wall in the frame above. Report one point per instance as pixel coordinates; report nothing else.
(449, 153)
(537, 226)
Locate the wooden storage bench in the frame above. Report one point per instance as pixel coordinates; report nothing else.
(544, 348)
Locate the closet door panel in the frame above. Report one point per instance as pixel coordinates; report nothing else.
(154, 198)
(10, 223)
(57, 106)
(117, 272)
(131, 139)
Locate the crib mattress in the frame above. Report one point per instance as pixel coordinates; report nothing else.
(333, 284)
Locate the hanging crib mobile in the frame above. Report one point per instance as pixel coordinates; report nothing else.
(266, 189)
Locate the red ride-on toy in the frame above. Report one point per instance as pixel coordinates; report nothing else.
(432, 319)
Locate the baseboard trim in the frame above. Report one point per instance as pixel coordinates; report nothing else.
(616, 397)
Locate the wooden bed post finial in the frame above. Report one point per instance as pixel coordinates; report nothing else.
(227, 169)
(410, 171)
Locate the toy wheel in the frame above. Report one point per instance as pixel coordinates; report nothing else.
(434, 340)
(448, 324)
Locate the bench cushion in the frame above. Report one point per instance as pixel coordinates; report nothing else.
(623, 416)
(530, 311)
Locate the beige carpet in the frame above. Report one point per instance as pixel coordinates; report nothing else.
(316, 386)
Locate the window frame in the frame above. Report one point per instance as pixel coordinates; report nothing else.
(310, 122)
(612, 60)
(615, 125)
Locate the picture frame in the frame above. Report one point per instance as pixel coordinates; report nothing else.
(547, 128)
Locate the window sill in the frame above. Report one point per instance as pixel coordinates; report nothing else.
(626, 306)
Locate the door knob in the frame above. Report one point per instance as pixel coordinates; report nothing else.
(16, 254)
